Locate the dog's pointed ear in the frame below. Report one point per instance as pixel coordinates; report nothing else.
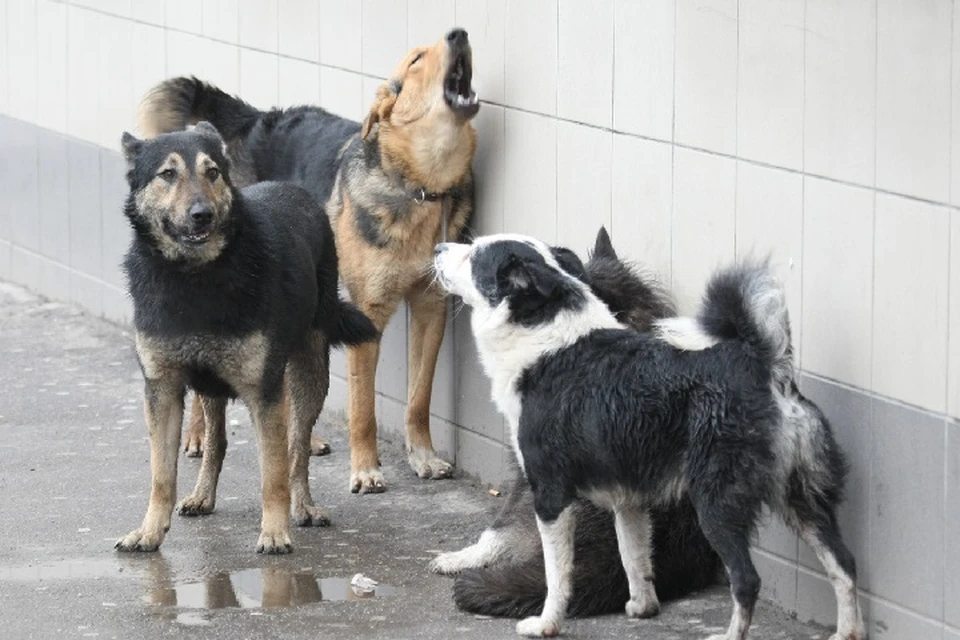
(380, 109)
(131, 149)
(569, 262)
(603, 248)
(207, 129)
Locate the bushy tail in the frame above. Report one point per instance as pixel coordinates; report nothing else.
(175, 103)
(747, 303)
(353, 327)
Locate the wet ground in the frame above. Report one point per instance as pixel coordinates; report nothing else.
(74, 474)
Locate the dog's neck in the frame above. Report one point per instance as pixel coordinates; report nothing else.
(435, 162)
(507, 349)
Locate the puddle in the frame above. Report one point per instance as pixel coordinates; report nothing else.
(266, 588)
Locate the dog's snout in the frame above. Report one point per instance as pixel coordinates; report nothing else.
(457, 37)
(440, 248)
(201, 213)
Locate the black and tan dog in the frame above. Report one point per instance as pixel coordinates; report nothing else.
(234, 295)
(393, 187)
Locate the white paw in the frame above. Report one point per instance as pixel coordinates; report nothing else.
(857, 634)
(309, 515)
(196, 505)
(367, 481)
(453, 562)
(718, 636)
(273, 543)
(140, 540)
(319, 446)
(537, 627)
(426, 464)
(643, 608)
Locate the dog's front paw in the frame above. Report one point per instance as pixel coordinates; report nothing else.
(367, 481)
(451, 563)
(308, 515)
(426, 464)
(319, 446)
(196, 505)
(274, 543)
(140, 540)
(537, 627)
(643, 607)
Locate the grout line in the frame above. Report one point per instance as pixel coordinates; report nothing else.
(877, 396)
(946, 404)
(673, 138)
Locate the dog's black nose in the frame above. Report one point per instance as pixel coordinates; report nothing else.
(201, 214)
(440, 248)
(457, 37)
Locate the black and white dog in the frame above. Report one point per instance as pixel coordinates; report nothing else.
(704, 407)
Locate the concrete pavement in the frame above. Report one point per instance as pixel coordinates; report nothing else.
(74, 476)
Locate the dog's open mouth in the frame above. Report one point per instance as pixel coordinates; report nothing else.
(189, 237)
(196, 237)
(457, 91)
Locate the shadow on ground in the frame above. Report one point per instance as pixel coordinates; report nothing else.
(74, 476)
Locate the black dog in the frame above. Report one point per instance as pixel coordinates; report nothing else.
(503, 573)
(703, 407)
(235, 295)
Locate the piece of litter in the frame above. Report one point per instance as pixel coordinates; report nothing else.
(494, 493)
(479, 617)
(363, 583)
(109, 604)
(83, 530)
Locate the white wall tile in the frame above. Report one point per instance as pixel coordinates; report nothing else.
(703, 232)
(52, 66)
(148, 48)
(21, 42)
(299, 29)
(769, 221)
(955, 119)
(642, 202)
(258, 78)
(531, 56)
(118, 8)
(150, 12)
(4, 56)
(913, 133)
(706, 75)
(116, 109)
(184, 15)
(221, 20)
(770, 82)
(584, 159)
(910, 301)
(429, 20)
(258, 27)
(185, 53)
(953, 377)
(837, 272)
(840, 89)
(643, 67)
(341, 92)
(488, 170)
(384, 39)
(530, 163)
(299, 83)
(83, 73)
(221, 65)
(585, 61)
(485, 20)
(340, 34)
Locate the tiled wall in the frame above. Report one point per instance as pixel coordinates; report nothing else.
(825, 131)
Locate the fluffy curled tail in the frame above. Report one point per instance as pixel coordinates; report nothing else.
(175, 103)
(353, 327)
(747, 303)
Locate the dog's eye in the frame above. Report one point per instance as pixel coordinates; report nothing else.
(168, 174)
(416, 59)
(212, 174)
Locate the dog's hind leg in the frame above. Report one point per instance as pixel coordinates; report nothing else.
(308, 379)
(204, 497)
(164, 412)
(428, 312)
(634, 530)
(193, 442)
